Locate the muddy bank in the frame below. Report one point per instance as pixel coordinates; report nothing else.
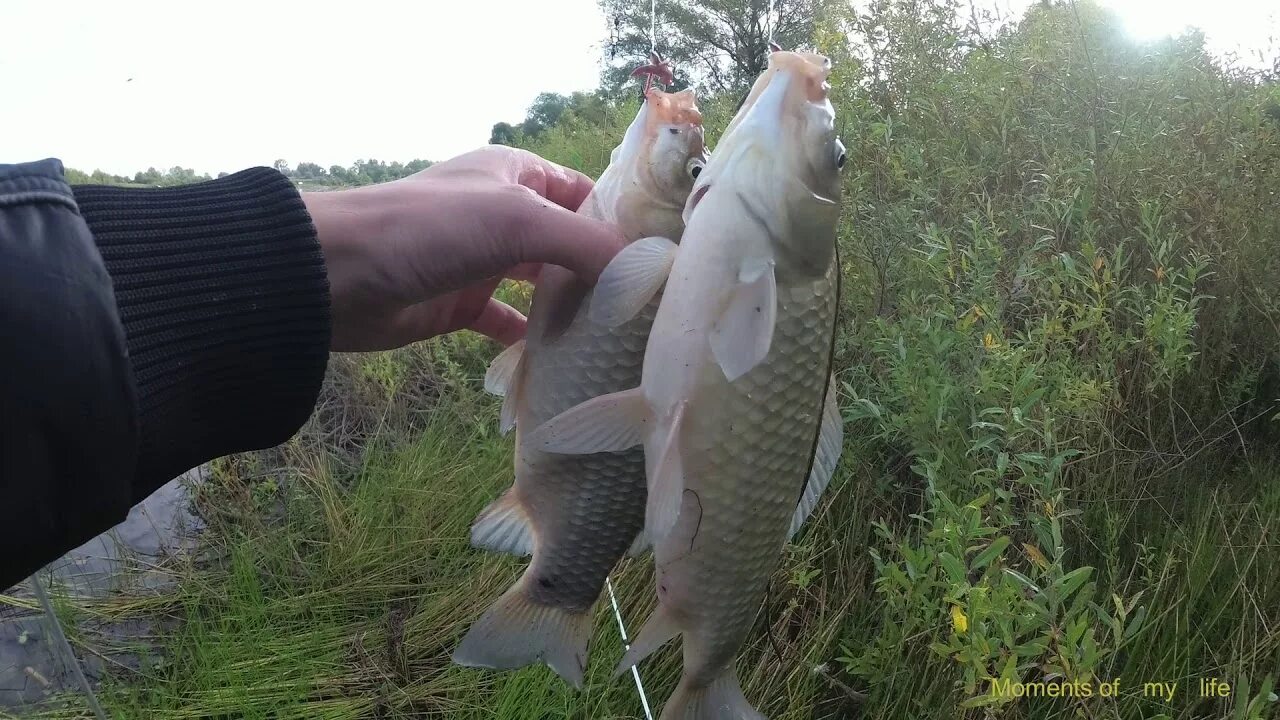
(31, 668)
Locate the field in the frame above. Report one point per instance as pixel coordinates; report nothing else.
(1059, 365)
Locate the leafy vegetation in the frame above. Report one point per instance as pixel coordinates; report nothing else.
(361, 172)
(1059, 359)
(150, 177)
(307, 174)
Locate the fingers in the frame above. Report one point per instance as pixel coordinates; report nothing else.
(547, 233)
(527, 272)
(562, 186)
(500, 321)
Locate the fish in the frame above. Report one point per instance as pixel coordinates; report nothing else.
(578, 515)
(736, 409)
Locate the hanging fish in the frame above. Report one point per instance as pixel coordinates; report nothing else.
(736, 404)
(577, 515)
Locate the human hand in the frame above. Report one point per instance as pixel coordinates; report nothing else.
(421, 256)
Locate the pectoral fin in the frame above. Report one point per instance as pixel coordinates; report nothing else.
(827, 455)
(608, 423)
(743, 334)
(503, 379)
(631, 280)
(666, 483)
(502, 371)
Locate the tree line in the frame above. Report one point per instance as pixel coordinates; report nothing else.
(361, 172)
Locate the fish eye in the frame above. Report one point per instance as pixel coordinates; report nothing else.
(694, 168)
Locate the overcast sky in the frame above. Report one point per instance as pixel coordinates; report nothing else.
(121, 85)
(233, 83)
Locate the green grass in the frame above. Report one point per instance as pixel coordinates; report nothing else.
(347, 601)
(1059, 358)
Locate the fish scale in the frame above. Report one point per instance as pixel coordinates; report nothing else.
(578, 515)
(599, 497)
(735, 407)
(742, 486)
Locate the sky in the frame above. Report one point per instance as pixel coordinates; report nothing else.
(122, 85)
(229, 84)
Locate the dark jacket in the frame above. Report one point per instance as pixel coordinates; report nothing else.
(144, 331)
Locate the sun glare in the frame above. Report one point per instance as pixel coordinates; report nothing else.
(1230, 26)
(1148, 20)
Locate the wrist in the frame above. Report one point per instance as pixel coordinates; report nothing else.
(350, 227)
(221, 289)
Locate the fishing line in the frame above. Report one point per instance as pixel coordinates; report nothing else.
(653, 25)
(68, 655)
(769, 22)
(622, 630)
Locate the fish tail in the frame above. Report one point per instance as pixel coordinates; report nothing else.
(503, 526)
(722, 699)
(516, 632)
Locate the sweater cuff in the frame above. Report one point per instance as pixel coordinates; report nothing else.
(222, 291)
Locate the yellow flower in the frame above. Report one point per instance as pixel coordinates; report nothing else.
(959, 620)
(989, 341)
(1036, 556)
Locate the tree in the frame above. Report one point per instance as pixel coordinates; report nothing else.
(722, 45)
(179, 175)
(503, 133)
(414, 166)
(309, 171)
(543, 113)
(283, 167)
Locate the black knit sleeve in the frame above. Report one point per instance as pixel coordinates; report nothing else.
(68, 411)
(223, 296)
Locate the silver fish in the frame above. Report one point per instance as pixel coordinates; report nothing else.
(578, 515)
(735, 399)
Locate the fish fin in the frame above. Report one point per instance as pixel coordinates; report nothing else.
(612, 422)
(503, 527)
(502, 371)
(507, 415)
(631, 280)
(743, 333)
(516, 632)
(503, 379)
(666, 485)
(825, 458)
(639, 545)
(720, 700)
(657, 630)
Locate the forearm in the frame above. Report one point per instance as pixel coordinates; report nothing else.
(146, 332)
(222, 293)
